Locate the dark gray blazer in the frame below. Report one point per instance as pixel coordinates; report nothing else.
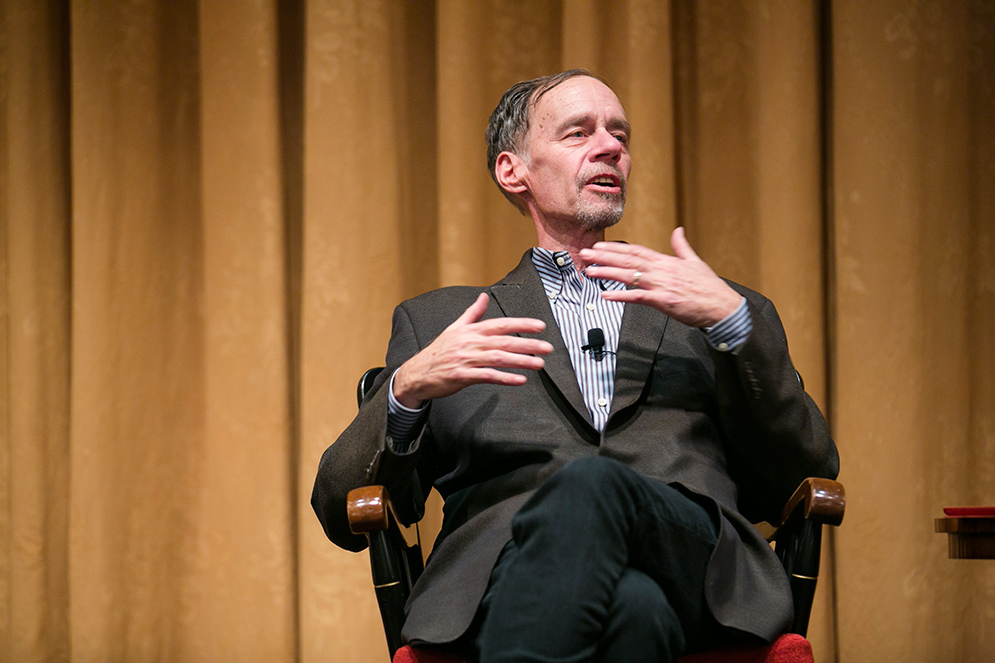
(734, 427)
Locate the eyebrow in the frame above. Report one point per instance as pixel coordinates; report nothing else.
(585, 118)
(621, 124)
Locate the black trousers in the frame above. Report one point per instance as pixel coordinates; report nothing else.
(605, 565)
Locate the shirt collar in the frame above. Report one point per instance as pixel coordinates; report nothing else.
(554, 265)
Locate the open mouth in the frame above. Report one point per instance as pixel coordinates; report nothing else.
(605, 183)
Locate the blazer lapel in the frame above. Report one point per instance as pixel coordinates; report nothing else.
(521, 295)
(639, 340)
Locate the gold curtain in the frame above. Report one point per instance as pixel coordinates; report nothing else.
(210, 208)
(914, 306)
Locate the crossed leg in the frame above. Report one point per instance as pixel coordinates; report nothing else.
(605, 565)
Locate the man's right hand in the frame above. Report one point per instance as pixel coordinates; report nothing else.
(470, 351)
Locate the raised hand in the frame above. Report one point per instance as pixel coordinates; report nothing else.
(682, 286)
(471, 351)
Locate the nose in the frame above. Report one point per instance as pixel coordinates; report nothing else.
(606, 146)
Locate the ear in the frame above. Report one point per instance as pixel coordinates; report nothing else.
(510, 170)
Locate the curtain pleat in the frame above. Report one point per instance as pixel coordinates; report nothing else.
(210, 209)
(138, 390)
(37, 332)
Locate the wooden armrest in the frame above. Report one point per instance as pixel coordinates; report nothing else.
(819, 500)
(368, 509)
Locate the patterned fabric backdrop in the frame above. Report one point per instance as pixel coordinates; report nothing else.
(208, 210)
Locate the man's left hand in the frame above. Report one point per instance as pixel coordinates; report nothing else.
(682, 286)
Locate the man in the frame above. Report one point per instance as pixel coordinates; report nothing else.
(603, 423)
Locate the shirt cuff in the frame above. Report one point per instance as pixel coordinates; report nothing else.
(403, 423)
(733, 330)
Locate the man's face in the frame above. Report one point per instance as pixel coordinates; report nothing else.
(577, 154)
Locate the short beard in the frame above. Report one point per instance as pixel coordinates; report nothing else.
(594, 216)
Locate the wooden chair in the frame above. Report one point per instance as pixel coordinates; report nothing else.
(396, 561)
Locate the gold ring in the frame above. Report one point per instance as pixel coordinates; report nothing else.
(635, 279)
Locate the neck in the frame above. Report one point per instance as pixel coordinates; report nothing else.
(570, 238)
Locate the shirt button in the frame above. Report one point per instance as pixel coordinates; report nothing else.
(602, 402)
(723, 346)
(560, 261)
(590, 306)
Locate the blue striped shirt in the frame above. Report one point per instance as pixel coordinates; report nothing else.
(577, 307)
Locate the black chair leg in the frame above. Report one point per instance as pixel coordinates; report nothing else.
(390, 588)
(800, 550)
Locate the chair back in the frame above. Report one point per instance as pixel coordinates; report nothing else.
(366, 383)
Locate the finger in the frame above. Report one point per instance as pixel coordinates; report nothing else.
(615, 247)
(494, 376)
(622, 275)
(474, 312)
(606, 258)
(618, 254)
(500, 359)
(527, 353)
(610, 250)
(522, 346)
(634, 296)
(506, 326)
(679, 243)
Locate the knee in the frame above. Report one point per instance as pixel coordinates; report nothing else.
(639, 599)
(640, 613)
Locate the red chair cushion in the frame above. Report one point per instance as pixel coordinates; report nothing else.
(409, 654)
(789, 648)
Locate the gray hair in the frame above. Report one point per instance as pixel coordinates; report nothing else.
(509, 122)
